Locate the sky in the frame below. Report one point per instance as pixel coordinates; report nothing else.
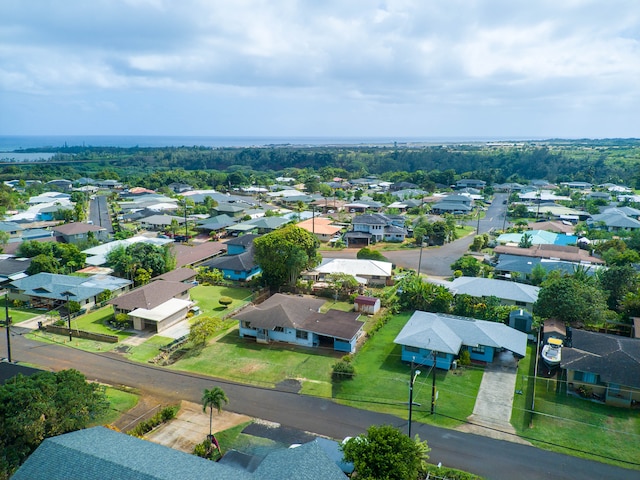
(502, 69)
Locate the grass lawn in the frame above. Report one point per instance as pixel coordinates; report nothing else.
(81, 343)
(381, 382)
(95, 322)
(565, 421)
(331, 305)
(18, 315)
(207, 298)
(243, 360)
(149, 349)
(119, 403)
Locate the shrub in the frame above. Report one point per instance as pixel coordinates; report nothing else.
(225, 301)
(343, 370)
(465, 358)
(164, 415)
(121, 320)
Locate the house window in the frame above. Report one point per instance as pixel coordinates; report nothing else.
(521, 304)
(478, 349)
(442, 355)
(278, 329)
(408, 348)
(585, 377)
(302, 335)
(246, 324)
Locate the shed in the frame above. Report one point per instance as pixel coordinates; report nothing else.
(366, 304)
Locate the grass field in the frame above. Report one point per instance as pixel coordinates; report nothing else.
(207, 298)
(17, 315)
(149, 349)
(381, 382)
(119, 403)
(574, 425)
(95, 322)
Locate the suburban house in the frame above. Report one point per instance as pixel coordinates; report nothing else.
(217, 223)
(470, 183)
(565, 253)
(509, 293)
(155, 306)
(603, 364)
(12, 229)
(97, 255)
(614, 220)
(538, 237)
(50, 291)
(321, 227)
(455, 204)
(368, 305)
(185, 275)
(99, 452)
(76, 232)
(12, 268)
(376, 227)
(195, 255)
(238, 263)
(161, 222)
(426, 335)
(371, 272)
(296, 320)
(258, 225)
(521, 268)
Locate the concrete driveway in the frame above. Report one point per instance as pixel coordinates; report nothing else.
(492, 412)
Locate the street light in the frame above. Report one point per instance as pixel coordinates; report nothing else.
(414, 374)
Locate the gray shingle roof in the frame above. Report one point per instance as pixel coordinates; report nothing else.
(306, 462)
(487, 287)
(446, 333)
(243, 262)
(49, 285)
(99, 453)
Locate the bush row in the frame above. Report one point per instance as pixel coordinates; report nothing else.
(164, 415)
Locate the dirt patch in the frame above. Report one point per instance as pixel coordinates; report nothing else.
(192, 427)
(250, 368)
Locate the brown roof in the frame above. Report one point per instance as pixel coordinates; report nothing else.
(76, 228)
(363, 300)
(552, 325)
(194, 254)
(552, 226)
(560, 252)
(177, 275)
(321, 226)
(301, 313)
(151, 295)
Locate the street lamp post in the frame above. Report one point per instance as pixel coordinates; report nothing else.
(69, 317)
(7, 324)
(414, 374)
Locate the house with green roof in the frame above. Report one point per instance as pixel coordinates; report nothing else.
(50, 290)
(99, 453)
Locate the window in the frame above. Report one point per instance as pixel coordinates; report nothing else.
(478, 349)
(278, 329)
(408, 348)
(442, 355)
(302, 335)
(521, 304)
(246, 324)
(585, 377)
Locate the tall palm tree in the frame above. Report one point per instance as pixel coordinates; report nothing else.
(213, 398)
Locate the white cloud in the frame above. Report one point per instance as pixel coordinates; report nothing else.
(423, 57)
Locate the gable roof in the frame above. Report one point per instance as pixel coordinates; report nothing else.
(243, 240)
(446, 333)
(151, 295)
(616, 359)
(355, 267)
(193, 254)
(280, 310)
(333, 323)
(76, 228)
(487, 287)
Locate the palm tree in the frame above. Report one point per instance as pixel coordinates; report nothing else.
(211, 399)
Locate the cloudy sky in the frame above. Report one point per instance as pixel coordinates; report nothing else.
(405, 68)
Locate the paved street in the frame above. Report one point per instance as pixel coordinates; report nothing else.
(493, 459)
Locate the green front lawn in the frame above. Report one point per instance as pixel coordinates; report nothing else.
(381, 382)
(119, 403)
(149, 349)
(95, 322)
(207, 296)
(572, 425)
(18, 315)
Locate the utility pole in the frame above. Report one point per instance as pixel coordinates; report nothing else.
(69, 317)
(186, 225)
(414, 374)
(478, 228)
(433, 387)
(7, 324)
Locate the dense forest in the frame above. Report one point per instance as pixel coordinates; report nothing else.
(593, 161)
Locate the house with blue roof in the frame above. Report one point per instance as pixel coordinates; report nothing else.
(99, 453)
(50, 291)
(427, 335)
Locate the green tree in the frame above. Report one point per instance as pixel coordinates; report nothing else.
(617, 281)
(416, 294)
(342, 283)
(43, 263)
(469, 266)
(538, 274)
(213, 398)
(525, 241)
(201, 330)
(386, 453)
(565, 298)
(41, 406)
(367, 253)
(284, 254)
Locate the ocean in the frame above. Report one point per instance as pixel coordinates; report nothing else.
(12, 143)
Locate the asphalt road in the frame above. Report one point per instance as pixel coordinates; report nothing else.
(99, 212)
(493, 459)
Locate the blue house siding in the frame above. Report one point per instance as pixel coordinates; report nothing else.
(235, 249)
(425, 357)
(240, 275)
(289, 335)
(344, 346)
(482, 353)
